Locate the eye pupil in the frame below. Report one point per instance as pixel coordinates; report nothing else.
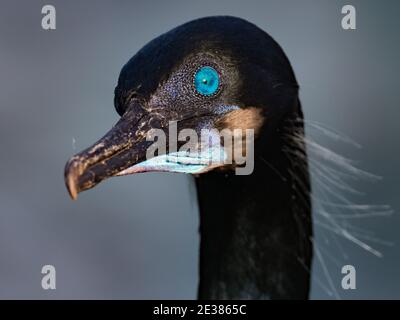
(206, 81)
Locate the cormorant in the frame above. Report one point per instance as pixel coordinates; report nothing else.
(255, 229)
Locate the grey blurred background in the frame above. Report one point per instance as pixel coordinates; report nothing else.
(136, 237)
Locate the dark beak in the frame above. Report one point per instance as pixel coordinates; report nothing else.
(122, 147)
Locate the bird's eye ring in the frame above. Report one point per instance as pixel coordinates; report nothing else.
(206, 81)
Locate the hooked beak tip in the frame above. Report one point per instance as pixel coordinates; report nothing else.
(72, 190)
(119, 149)
(70, 181)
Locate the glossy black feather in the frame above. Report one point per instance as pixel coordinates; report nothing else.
(255, 230)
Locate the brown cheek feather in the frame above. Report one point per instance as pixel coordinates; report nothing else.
(249, 118)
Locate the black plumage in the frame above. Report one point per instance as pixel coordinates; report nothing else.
(255, 229)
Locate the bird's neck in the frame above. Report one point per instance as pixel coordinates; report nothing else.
(255, 231)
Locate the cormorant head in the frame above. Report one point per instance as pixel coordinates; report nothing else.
(211, 73)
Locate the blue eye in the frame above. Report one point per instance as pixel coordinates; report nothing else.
(206, 81)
